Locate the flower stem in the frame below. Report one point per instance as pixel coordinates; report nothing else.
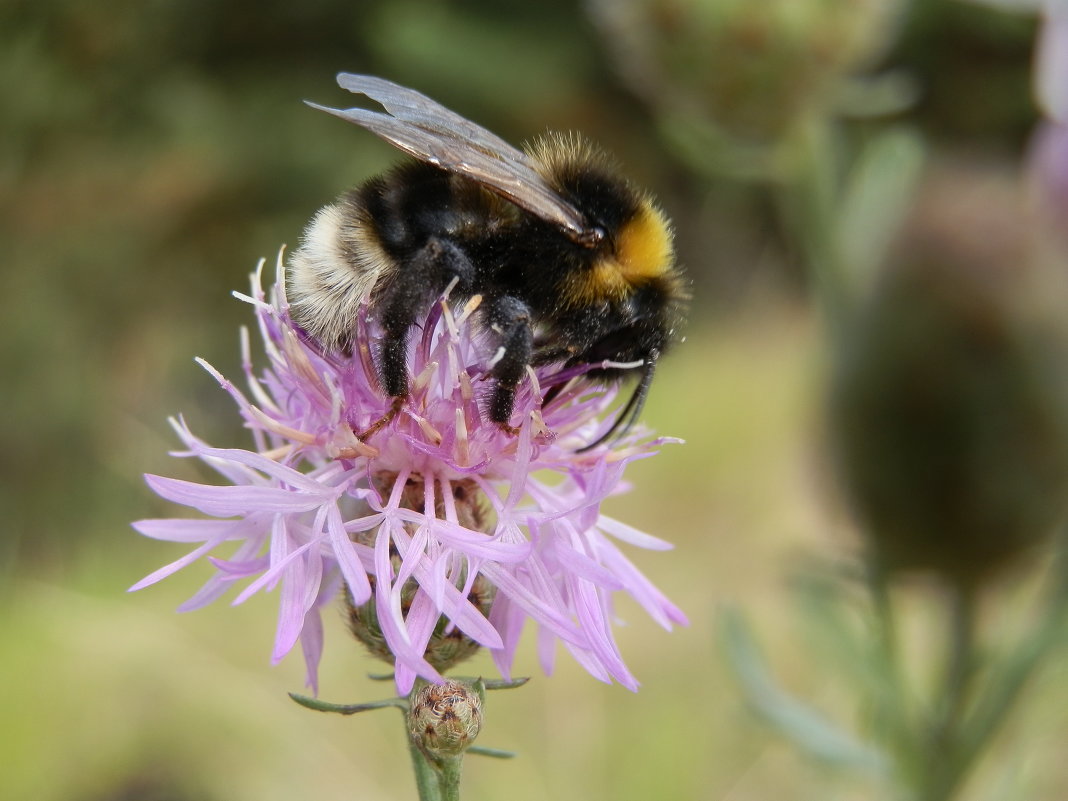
(449, 778)
(436, 780)
(426, 774)
(896, 704)
(426, 777)
(946, 763)
(1011, 676)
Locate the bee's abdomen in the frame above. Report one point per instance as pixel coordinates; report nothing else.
(338, 264)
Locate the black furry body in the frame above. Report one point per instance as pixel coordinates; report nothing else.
(574, 265)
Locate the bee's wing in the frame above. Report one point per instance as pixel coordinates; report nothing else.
(430, 132)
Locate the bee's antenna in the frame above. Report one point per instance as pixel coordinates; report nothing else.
(631, 411)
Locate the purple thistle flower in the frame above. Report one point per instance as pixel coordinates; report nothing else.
(1048, 157)
(314, 510)
(1051, 61)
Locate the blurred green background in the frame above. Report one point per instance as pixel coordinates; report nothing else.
(153, 152)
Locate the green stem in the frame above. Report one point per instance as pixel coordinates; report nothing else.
(946, 763)
(1008, 682)
(960, 666)
(426, 775)
(449, 778)
(896, 705)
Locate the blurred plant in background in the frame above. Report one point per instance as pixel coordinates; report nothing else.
(732, 83)
(948, 398)
(760, 94)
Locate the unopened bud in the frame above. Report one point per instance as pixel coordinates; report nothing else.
(727, 57)
(950, 412)
(444, 719)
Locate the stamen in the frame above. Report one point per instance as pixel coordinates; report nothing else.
(535, 386)
(254, 385)
(431, 433)
(469, 308)
(357, 451)
(337, 397)
(259, 303)
(347, 445)
(454, 368)
(299, 361)
(538, 426)
(463, 444)
(467, 392)
(277, 453)
(281, 429)
(280, 281)
(445, 295)
(450, 320)
(423, 379)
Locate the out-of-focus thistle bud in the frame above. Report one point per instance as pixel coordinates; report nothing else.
(444, 719)
(448, 646)
(752, 68)
(949, 402)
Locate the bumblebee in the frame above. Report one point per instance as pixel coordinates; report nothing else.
(574, 264)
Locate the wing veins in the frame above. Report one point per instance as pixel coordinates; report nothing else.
(429, 132)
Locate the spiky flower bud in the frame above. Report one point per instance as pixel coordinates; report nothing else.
(444, 719)
(728, 57)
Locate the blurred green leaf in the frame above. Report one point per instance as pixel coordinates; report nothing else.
(494, 684)
(347, 709)
(798, 722)
(836, 630)
(877, 193)
(891, 92)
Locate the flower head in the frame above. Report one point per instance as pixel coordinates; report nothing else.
(440, 524)
(445, 719)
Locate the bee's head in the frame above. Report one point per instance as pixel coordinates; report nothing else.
(628, 240)
(632, 347)
(622, 273)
